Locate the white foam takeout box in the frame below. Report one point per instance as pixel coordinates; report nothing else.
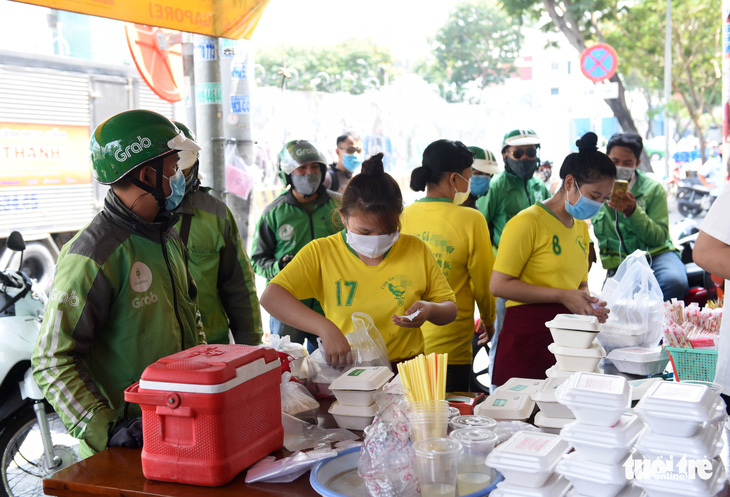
(591, 478)
(574, 330)
(357, 386)
(353, 417)
(639, 360)
(528, 458)
(506, 406)
(572, 359)
(705, 444)
(604, 444)
(546, 401)
(556, 486)
(595, 399)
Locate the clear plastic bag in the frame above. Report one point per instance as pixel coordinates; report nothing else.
(296, 399)
(636, 302)
(368, 346)
(300, 435)
(288, 469)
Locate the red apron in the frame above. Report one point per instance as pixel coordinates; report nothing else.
(523, 341)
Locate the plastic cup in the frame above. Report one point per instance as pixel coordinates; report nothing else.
(473, 421)
(436, 466)
(473, 474)
(428, 419)
(453, 412)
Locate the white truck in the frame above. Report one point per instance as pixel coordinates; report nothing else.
(49, 106)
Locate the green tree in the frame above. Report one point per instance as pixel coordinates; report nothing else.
(476, 47)
(353, 66)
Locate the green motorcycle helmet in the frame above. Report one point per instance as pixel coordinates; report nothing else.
(518, 137)
(296, 153)
(485, 161)
(130, 138)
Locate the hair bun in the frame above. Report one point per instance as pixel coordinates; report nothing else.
(373, 166)
(587, 143)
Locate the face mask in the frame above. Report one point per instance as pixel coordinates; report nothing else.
(306, 184)
(521, 168)
(371, 246)
(584, 208)
(624, 173)
(480, 185)
(351, 161)
(177, 185)
(460, 197)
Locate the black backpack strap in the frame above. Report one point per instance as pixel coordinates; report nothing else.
(185, 228)
(334, 178)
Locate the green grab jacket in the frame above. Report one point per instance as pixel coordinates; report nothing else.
(122, 298)
(509, 194)
(221, 270)
(646, 229)
(285, 227)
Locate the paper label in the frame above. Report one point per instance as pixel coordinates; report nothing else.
(601, 383)
(675, 391)
(533, 445)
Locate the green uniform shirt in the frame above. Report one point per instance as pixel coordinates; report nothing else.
(221, 270)
(647, 228)
(508, 195)
(121, 299)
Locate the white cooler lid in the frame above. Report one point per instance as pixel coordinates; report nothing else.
(623, 434)
(575, 322)
(364, 378)
(529, 451)
(595, 350)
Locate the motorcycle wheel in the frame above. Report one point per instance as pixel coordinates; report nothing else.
(24, 464)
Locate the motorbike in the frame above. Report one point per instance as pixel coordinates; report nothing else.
(693, 199)
(703, 286)
(34, 443)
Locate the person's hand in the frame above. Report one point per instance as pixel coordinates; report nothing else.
(336, 347)
(624, 202)
(485, 333)
(284, 261)
(579, 302)
(127, 433)
(417, 322)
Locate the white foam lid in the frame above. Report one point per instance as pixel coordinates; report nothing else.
(619, 328)
(688, 401)
(360, 411)
(556, 423)
(575, 466)
(528, 451)
(696, 487)
(575, 322)
(547, 390)
(596, 390)
(500, 406)
(638, 354)
(595, 350)
(622, 434)
(556, 486)
(705, 444)
(365, 378)
(525, 386)
(640, 387)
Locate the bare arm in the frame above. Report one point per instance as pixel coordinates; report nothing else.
(712, 255)
(286, 308)
(438, 313)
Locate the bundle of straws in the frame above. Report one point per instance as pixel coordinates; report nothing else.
(424, 378)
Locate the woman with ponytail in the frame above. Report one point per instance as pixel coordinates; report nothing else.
(542, 264)
(369, 267)
(459, 240)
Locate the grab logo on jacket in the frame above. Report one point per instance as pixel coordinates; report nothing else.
(286, 232)
(140, 277)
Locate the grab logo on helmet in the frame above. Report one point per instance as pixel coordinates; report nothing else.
(305, 151)
(134, 148)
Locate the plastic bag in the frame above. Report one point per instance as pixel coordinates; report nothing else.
(300, 435)
(297, 353)
(368, 346)
(288, 469)
(321, 374)
(636, 301)
(296, 399)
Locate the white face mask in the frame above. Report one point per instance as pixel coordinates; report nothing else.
(460, 197)
(372, 246)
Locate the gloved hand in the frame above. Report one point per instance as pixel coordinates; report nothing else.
(284, 261)
(127, 433)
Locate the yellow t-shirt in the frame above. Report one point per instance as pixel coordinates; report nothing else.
(459, 240)
(538, 249)
(328, 270)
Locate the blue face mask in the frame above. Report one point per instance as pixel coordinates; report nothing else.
(479, 185)
(351, 161)
(177, 185)
(584, 208)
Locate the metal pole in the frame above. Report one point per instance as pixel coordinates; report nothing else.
(726, 81)
(667, 83)
(188, 52)
(209, 112)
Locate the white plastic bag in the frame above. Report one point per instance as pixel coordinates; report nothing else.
(368, 346)
(296, 399)
(635, 300)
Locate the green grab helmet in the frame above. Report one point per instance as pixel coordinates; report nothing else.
(188, 158)
(296, 153)
(485, 161)
(518, 137)
(131, 138)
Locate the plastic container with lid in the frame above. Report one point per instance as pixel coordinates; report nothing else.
(574, 330)
(556, 486)
(524, 386)
(629, 490)
(528, 458)
(572, 359)
(604, 444)
(551, 425)
(683, 485)
(506, 407)
(546, 401)
(595, 399)
(555, 372)
(641, 386)
(705, 444)
(353, 417)
(357, 386)
(639, 360)
(473, 421)
(679, 409)
(591, 478)
(615, 334)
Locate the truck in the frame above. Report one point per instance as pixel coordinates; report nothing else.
(49, 106)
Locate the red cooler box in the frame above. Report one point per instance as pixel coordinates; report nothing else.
(209, 412)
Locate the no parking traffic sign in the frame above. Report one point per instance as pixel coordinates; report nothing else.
(599, 62)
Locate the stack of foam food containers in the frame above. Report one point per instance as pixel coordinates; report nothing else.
(602, 434)
(553, 415)
(511, 401)
(528, 460)
(355, 391)
(684, 432)
(574, 344)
